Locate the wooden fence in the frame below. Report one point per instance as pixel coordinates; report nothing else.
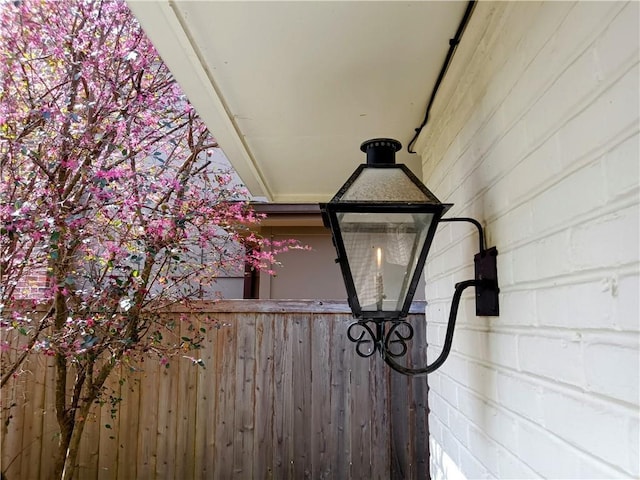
(282, 394)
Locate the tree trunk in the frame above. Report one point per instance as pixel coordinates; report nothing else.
(66, 431)
(78, 422)
(63, 415)
(73, 447)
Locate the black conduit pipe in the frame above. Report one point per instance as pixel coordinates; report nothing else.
(453, 43)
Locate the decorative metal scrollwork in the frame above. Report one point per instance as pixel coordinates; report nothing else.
(398, 335)
(366, 342)
(391, 341)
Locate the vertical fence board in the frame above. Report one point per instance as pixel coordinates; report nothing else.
(167, 420)
(287, 402)
(31, 429)
(225, 379)
(11, 428)
(129, 423)
(380, 429)
(399, 427)
(280, 364)
(340, 403)
(205, 411)
(184, 367)
(321, 393)
(281, 395)
(244, 399)
(50, 424)
(264, 398)
(301, 386)
(108, 420)
(361, 417)
(13, 443)
(419, 394)
(87, 468)
(187, 400)
(147, 434)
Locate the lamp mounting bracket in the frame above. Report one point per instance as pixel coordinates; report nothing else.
(486, 275)
(473, 221)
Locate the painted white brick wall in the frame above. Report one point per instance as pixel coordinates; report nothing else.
(535, 132)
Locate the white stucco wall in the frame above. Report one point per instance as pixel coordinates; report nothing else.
(535, 133)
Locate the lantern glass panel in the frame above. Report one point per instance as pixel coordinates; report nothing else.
(385, 185)
(382, 251)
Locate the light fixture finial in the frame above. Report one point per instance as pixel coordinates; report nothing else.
(381, 151)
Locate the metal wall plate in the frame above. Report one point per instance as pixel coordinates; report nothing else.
(487, 292)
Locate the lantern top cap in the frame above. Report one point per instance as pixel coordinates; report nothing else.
(381, 142)
(381, 150)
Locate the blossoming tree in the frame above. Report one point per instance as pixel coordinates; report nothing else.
(108, 187)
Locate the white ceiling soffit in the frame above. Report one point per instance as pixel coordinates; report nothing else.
(291, 89)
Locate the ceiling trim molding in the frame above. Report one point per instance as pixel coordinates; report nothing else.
(165, 28)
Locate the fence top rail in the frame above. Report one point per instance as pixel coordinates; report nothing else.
(278, 306)
(252, 306)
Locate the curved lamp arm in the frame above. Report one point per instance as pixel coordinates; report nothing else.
(448, 339)
(478, 225)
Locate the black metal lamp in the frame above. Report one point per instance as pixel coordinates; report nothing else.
(383, 221)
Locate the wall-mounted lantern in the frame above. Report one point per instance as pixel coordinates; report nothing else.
(383, 221)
